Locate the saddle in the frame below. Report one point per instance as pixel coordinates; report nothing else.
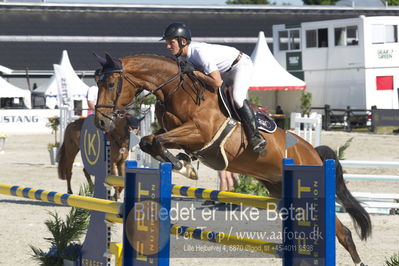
(263, 120)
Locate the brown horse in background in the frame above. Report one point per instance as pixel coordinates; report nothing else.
(119, 139)
(191, 116)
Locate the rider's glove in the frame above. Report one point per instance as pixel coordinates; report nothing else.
(187, 68)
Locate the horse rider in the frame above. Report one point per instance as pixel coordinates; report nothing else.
(217, 64)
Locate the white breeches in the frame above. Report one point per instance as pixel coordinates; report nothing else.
(240, 77)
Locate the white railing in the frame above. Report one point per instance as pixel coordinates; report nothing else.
(371, 177)
(355, 163)
(307, 127)
(384, 164)
(377, 203)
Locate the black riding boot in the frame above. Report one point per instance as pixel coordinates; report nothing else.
(256, 142)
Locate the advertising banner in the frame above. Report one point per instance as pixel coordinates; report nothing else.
(26, 120)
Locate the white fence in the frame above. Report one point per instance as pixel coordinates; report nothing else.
(384, 164)
(377, 203)
(307, 127)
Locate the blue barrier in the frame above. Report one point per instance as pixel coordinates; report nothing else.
(305, 186)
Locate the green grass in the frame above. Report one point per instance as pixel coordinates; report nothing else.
(250, 185)
(393, 260)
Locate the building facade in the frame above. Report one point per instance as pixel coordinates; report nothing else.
(344, 62)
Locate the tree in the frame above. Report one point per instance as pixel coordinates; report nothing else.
(320, 2)
(393, 2)
(332, 2)
(247, 2)
(306, 102)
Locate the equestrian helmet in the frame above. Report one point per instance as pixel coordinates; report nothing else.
(177, 30)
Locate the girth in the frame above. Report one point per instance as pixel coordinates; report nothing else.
(213, 154)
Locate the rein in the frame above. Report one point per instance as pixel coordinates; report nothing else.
(131, 106)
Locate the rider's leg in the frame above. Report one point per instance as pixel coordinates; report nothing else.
(242, 76)
(256, 142)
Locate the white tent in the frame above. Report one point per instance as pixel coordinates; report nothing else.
(78, 89)
(5, 70)
(271, 83)
(269, 74)
(7, 90)
(50, 92)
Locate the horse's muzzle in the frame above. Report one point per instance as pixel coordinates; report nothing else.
(104, 123)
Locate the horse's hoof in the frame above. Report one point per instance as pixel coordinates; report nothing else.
(188, 171)
(192, 173)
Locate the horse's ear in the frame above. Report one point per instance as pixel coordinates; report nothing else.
(108, 57)
(100, 59)
(110, 61)
(115, 63)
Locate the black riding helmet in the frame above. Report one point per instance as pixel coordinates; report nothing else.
(177, 30)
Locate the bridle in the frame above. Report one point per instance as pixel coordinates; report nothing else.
(130, 106)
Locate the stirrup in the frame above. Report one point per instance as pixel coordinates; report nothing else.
(259, 145)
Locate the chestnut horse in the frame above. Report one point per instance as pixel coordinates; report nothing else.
(191, 116)
(119, 139)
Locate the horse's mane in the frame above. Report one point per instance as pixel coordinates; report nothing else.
(168, 60)
(151, 56)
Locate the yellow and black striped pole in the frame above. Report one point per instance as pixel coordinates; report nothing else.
(102, 205)
(226, 197)
(211, 194)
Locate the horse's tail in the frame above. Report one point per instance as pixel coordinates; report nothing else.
(359, 215)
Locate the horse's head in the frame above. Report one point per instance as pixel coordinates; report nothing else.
(122, 79)
(112, 97)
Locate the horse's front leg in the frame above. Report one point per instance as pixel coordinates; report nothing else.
(118, 158)
(185, 137)
(147, 146)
